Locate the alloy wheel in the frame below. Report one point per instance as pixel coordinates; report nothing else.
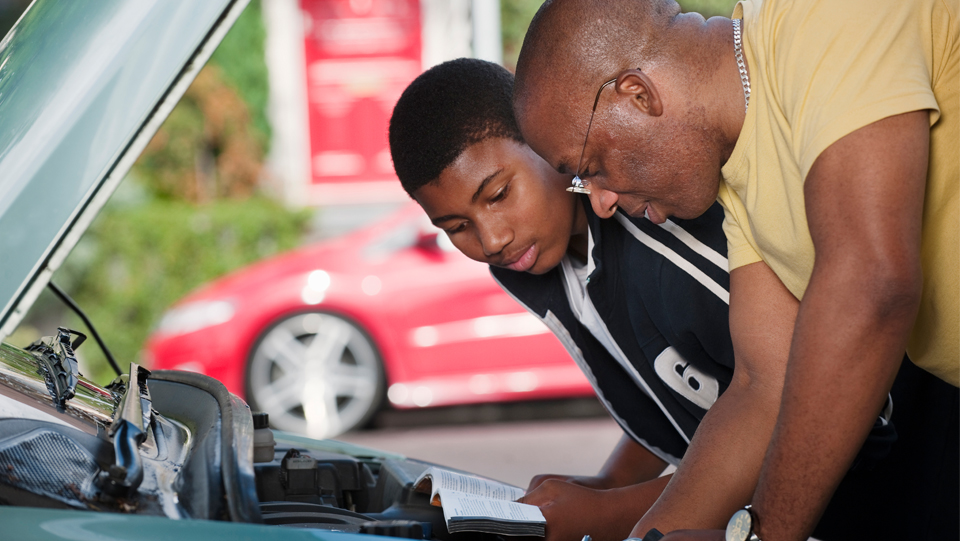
(315, 374)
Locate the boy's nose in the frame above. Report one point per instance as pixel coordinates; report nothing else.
(493, 240)
(604, 202)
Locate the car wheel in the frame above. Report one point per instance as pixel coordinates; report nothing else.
(315, 374)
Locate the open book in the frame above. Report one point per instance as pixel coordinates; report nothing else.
(474, 504)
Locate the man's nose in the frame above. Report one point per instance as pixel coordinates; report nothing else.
(604, 202)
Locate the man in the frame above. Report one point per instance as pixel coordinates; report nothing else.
(827, 129)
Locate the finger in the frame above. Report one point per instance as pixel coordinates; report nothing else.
(533, 498)
(541, 495)
(539, 480)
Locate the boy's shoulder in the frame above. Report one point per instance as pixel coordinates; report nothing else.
(627, 246)
(537, 292)
(705, 230)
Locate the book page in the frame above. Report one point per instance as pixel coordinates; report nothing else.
(460, 505)
(468, 484)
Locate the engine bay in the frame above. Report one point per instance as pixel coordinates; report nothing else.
(177, 444)
(330, 491)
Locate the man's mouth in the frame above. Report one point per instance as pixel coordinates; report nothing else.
(524, 261)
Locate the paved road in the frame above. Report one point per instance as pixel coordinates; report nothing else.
(509, 451)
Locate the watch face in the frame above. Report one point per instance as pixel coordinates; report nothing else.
(738, 529)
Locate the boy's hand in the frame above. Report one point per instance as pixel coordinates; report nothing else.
(595, 482)
(629, 464)
(572, 510)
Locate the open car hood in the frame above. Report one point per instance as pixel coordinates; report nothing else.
(83, 88)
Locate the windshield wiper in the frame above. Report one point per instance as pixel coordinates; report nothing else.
(60, 368)
(128, 431)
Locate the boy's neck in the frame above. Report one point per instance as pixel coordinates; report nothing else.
(579, 241)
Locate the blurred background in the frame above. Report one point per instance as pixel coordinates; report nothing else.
(281, 143)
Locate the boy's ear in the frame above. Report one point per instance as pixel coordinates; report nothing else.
(642, 91)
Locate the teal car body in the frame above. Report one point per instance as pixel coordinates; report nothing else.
(27, 524)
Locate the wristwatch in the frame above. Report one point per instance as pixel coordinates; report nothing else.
(742, 526)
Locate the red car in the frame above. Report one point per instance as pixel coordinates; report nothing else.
(318, 336)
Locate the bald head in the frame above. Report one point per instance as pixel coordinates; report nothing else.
(587, 41)
(666, 96)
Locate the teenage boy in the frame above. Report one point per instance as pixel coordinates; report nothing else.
(642, 308)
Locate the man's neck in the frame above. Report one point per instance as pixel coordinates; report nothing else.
(712, 75)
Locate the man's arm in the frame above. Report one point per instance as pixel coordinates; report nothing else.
(864, 203)
(721, 466)
(605, 506)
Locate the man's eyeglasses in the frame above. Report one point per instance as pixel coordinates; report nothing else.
(578, 185)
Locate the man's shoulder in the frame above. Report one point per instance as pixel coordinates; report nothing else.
(793, 37)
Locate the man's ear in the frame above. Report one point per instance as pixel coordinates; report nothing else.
(643, 93)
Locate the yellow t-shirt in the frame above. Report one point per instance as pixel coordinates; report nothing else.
(819, 70)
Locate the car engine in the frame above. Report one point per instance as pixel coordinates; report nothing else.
(177, 444)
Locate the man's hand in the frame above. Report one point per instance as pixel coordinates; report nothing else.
(573, 511)
(864, 202)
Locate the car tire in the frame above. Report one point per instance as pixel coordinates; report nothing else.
(315, 373)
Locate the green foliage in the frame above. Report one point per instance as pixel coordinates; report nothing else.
(213, 143)
(207, 149)
(515, 16)
(139, 258)
(709, 8)
(241, 59)
(164, 167)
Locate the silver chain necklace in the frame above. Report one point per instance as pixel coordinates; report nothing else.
(738, 50)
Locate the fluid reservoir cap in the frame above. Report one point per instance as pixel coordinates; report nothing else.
(261, 419)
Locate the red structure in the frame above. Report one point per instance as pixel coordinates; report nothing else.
(360, 55)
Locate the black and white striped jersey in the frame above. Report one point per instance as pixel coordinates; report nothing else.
(652, 331)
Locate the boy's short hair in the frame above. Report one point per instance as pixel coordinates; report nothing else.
(445, 110)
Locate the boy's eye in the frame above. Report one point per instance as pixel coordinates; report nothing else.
(456, 229)
(501, 194)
